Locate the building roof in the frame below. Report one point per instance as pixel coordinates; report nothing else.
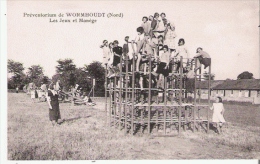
(242, 84)
(204, 84)
(239, 84)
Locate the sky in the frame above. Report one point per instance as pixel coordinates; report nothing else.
(227, 30)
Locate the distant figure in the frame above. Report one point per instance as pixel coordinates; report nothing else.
(203, 58)
(53, 102)
(33, 95)
(16, 89)
(58, 86)
(88, 101)
(43, 87)
(218, 111)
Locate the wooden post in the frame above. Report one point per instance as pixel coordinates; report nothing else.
(149, 97)
(199, 121)
(133, 95)
(114, 91)
(195, 97)
(110, 104)
(106, 93)
(126, 94)
(120, 93)
(209, 88)
(164, 107)
(180, 94)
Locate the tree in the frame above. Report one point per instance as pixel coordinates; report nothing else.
(65, 66)
(65, 72)
(206, 76)
(83, 79)
(34, 72)
(96, 71)
(245, 75)
(16, 69)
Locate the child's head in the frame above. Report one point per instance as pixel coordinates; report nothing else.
(144, 19)
(126, 38)
(199, 49)
(163, 15)
(156, 15)
(218, 100)
(110, 45)
(140, 30)
(165, 48)
(105, 42)
(181, 41)
(171, 26)
(116, 43)
(150, 18)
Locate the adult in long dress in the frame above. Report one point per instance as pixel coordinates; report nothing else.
(54, 109)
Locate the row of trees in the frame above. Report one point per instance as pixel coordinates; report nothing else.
(69, 75)
(20, 78)
(66, 71)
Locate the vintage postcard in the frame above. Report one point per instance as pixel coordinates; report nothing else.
(130, 80)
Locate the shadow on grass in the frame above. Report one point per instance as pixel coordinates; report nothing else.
(74, 119)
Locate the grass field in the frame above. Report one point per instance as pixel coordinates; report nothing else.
(85, 135)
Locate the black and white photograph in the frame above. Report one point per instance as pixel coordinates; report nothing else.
(130, 80)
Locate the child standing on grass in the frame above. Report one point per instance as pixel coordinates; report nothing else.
(218, 111)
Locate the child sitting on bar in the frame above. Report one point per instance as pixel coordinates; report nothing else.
(203, 58)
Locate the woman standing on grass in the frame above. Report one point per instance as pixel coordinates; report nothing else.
(54, 109)
(218, 111)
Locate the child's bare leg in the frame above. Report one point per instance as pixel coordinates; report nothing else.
(198, 65)
(218, 127)
(145, 67)
(141, 83)
(138, 61)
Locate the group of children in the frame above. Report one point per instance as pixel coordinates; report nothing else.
(155, 40)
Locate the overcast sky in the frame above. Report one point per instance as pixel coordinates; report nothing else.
(227, 30)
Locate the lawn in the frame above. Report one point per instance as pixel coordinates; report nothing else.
(85, 135)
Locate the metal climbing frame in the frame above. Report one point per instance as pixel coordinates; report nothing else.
(127, 112)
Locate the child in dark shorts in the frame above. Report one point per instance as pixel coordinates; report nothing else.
(203, 58)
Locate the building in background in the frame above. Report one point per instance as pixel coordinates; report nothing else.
(245, 90)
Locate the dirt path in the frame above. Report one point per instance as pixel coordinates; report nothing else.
(83, 117)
